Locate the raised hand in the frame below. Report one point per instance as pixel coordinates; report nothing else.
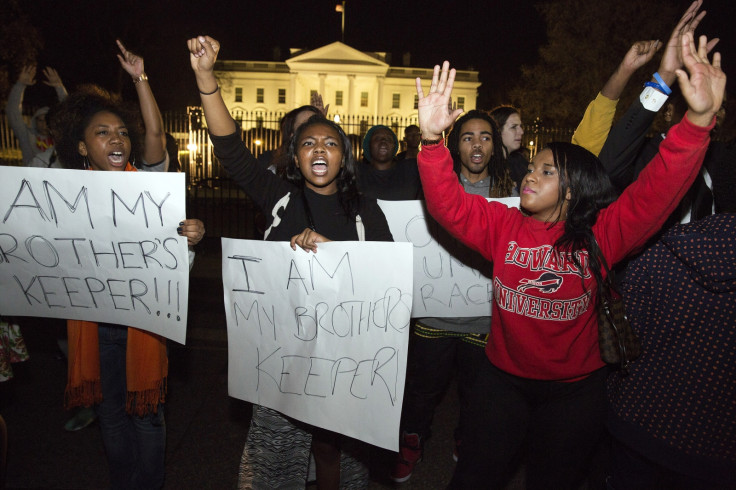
(131, 63)
(639, 54)
(203, 53)
(52, 77)
(316, 101)
(27, 75)
(703, 89)
(202, 56)
(307, 240)
(435, 114)
(672, 57)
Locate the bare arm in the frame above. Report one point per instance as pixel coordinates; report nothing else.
(637, 56)
(202, 55)
(154, 142)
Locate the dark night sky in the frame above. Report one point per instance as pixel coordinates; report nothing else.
(493, 37)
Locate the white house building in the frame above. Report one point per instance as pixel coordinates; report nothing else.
(356, 85)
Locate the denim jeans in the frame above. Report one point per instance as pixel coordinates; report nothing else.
(135, 446)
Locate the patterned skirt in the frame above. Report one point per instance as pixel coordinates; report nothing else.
(277, 455)
(12, 349)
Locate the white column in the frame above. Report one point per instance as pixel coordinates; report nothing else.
(291, 97)
(351, 94)
(322, 77)
(379, 97)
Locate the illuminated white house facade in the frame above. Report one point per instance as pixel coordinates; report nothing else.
(353, 83)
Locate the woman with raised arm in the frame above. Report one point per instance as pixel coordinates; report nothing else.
(544, 382)
(317, 202)
(120, 370)
(443, 348)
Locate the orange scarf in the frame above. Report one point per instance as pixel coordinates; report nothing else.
(146, 366)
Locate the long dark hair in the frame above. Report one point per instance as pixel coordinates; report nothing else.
(347, 187)
(69, 119)
(501, 182)
(501, 113)
(583, 175)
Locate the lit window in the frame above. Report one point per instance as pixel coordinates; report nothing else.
(282, 96)
(259, 95)
(396, 101)
(364, 99)
(312, 94)
(416, 102)
(338, 97)
(461, 103)
(238, 94)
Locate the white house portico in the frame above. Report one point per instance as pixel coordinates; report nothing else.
(352, 82)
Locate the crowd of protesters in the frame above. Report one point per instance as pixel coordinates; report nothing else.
(656, 214)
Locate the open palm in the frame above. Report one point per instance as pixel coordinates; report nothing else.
(434, 111)
(703, 89)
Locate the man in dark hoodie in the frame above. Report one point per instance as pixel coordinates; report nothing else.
(673, 418)
(379, 175)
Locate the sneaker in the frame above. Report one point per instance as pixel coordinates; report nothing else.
(81, 419)
(410, 453)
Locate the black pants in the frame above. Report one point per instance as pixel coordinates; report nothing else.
(632, 470)
(432, 363)
(561, 422)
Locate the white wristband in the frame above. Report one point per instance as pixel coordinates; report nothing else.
(652, 99)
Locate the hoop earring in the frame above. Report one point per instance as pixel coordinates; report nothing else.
(85, 163)
(133, 162)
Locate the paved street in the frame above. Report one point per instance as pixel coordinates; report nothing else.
(206, 428)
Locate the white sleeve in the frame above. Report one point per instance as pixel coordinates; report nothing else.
(161, 166)
(191, 258)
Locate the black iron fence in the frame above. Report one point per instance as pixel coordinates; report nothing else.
(211, 195)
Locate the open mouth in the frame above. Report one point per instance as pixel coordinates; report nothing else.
(319, 167)
(116, 158)
(476, 157)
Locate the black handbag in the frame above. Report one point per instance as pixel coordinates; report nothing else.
(616, 339)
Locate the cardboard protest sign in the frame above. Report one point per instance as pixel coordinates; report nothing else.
(96, 246)
(450, 280)
(321, 337)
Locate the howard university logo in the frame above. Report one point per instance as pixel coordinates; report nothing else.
(548, 282)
